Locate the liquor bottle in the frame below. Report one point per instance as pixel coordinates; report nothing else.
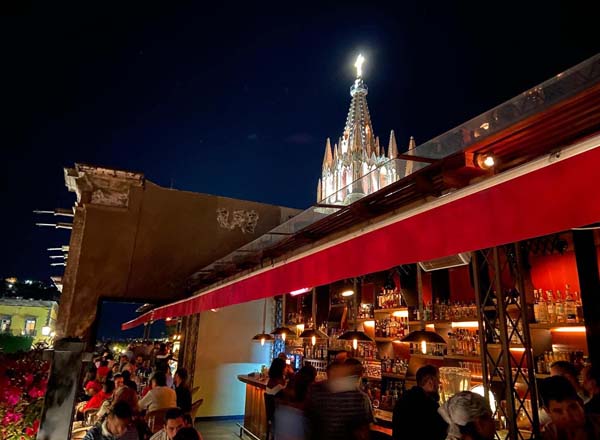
(559, 307)
(543, 307)
(570, 306)
(550, 303)
(536, 306)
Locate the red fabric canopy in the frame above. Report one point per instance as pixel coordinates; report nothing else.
(553, 198)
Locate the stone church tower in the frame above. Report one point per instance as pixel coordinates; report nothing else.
(357, 165)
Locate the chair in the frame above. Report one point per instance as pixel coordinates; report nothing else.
(195, 406)
(156, 419)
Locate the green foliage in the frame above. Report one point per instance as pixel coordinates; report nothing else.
(11, 344)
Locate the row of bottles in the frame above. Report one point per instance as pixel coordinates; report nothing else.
(315, 351)
(464, 342)
(390, 299)
(385, 400)
(556, 307)
(391, 327)
(365, 311)
(428, 348)
(366, 350)
(449, 311)
(393, 366)
(545, 361)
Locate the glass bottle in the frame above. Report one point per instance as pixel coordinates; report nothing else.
(550, 304)
(570, 306)
(536, 306)
(559, 307)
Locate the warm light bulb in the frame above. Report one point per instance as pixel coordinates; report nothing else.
(262, 341)
(46, 330)
(313, 340)
(347, 293)
(489, 161)
(283, 336)
(355, 343)
(423, 347)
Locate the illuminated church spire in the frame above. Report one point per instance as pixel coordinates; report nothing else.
(357, 165)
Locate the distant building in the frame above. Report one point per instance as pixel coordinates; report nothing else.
(28, 317)
(358, 165)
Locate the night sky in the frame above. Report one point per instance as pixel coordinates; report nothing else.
(238, 100)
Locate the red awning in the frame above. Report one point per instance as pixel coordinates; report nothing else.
(546, 196)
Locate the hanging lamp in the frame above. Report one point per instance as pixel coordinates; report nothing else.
(424, 337)
(263, 337)
(313, 335)
(283, 330)
(354, 335)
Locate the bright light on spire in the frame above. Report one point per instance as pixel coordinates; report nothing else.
(359, 62)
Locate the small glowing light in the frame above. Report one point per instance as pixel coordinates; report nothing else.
(578, 329)
(401, 313)
(45, 330)
(485, 126)
(214, 310)
(52, 334)
(430, 326)
(489, 161)
(262, 341)
(347, 293)
(423, 347)
(300, 291)
(313, 340)
(283, 336)
(467, 324)
(123, 351)
(518, 349)
(358, 64)
(369, 323)
(355, 343)
(299, 328)
(167, 319)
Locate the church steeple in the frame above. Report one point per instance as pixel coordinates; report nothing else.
(357, 153)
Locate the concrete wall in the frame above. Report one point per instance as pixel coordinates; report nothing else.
(225, 349)
(136, 241)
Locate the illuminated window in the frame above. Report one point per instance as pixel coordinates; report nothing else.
(5, 324)
(30, 326)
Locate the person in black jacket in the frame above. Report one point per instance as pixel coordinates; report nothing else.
(184, 395)
(416, 412)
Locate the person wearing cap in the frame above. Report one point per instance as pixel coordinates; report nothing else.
(469, 417)
(92, 387)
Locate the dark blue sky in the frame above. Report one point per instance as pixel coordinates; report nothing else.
(238, 100)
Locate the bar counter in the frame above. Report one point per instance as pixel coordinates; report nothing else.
(255, 418)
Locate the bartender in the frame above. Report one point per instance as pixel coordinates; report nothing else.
(288, 371)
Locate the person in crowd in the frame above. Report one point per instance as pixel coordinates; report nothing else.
(123, 394)
(289, 420)
(124, 363)
(92, 387)
(102, 371)
(169, 374)
(591, 383)
(174, 421)
(116, 426)
(139, 363)
(161, 359)
(468, 416)
(342, 356)
(96, 401)
(276, 381)
(160, 396)
(187, 433)
(119, 380)
(182, 390)
(568, 371)
(127, 381)
(288, 372)
(421, 401)
(115, 369)
(565, 408)
(129, 353)
(339, 410)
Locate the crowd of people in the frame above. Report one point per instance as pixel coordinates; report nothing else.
(299, 408)
(122, 396)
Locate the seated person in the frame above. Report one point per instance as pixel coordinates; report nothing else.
(123, 394)
(184, 395)
(96, 401)
(102, 371)
(116, 426)
(160, 396)
(565, 408)
(174, 421)
(187, 433)
(127, 381)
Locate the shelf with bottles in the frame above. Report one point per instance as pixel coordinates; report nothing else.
(392, 326)
(389, 299)
(557, 308)
(544, 361)
(448, 311)
(460, 357)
